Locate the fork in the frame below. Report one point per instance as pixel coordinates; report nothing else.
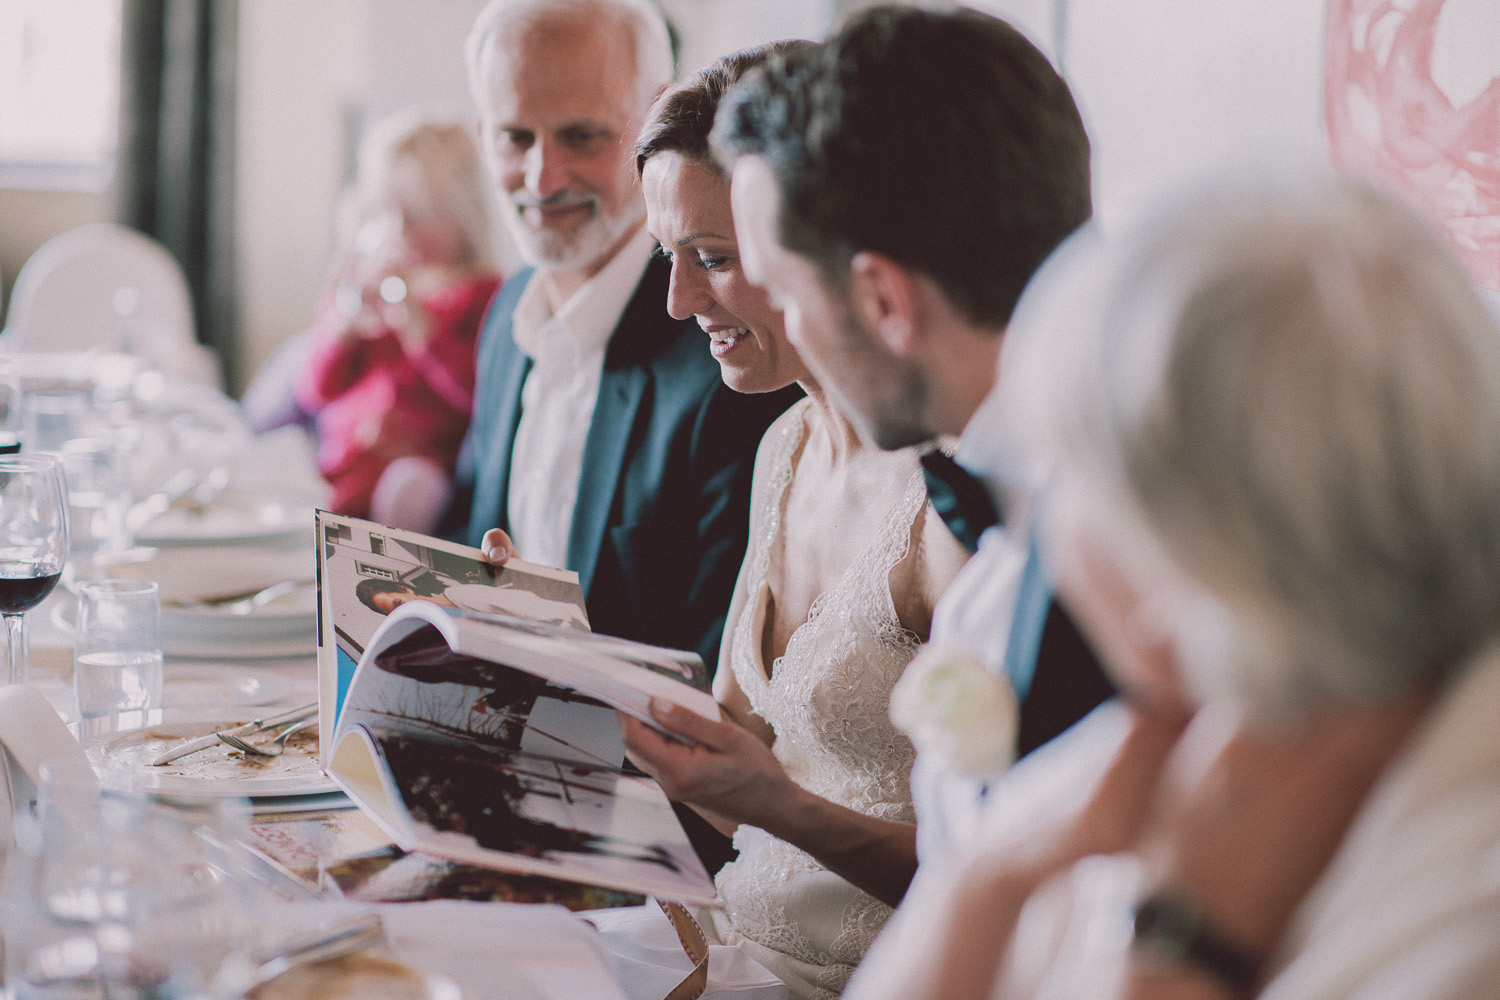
(244, 603)
(271, 748)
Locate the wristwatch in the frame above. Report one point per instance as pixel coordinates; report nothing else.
(1169, 930)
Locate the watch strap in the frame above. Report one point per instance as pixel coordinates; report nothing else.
(1169, 929)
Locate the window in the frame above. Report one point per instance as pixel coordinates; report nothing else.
(59, 93)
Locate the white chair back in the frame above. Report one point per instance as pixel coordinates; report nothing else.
(106, 286)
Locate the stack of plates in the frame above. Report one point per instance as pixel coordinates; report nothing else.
(197, 585)
(229, 519)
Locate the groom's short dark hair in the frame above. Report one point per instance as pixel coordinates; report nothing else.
(942, 139)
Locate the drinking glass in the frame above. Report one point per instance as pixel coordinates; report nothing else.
(117, 659)
(33, 545)
(98, 498)
(116, 897)
(53, 416)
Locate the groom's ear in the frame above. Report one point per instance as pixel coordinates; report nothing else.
(883, 298)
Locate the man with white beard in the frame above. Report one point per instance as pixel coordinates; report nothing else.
(603, 439)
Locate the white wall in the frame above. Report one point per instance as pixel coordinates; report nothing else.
(1174, 89)
(300, 66)
(711, 28)
(1171, 89)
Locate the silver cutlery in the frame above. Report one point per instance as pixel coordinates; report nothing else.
(214, 483)
(249, 728)
(242, 602)
(144, 511)
(270, 748)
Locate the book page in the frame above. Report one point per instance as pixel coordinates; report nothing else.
(366, 570)
(418, 685)
(485, 804)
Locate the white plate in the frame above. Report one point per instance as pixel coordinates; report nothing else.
(123, 758)
(294, 614)
(212, 685)
(65, 614)
(204, 573)
(228, 519)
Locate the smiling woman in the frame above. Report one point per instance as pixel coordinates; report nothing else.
(688, 213)
(805, 768)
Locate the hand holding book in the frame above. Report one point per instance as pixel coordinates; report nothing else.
(714, 764)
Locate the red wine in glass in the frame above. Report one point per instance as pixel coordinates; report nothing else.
(33, 546)
(23, 588)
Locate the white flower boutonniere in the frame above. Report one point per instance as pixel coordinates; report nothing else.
(956, 712)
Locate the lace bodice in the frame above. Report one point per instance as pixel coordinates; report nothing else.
(827, 698)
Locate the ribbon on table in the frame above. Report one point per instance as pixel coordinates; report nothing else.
(695, 945)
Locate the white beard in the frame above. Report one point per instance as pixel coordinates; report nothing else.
(581, 248)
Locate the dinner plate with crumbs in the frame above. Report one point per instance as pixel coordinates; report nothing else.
(123, 757)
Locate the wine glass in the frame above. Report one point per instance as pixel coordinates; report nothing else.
(33, 545)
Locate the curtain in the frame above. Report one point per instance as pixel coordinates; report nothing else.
(175, 175)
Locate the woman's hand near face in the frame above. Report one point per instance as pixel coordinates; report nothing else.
(497, 547)
(1250, 822)
(956, 937)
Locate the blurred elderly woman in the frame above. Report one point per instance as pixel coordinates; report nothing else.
(1268, 433)
(390, 373)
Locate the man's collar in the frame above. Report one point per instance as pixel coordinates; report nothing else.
(591, 314)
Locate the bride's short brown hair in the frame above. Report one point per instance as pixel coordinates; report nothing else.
(682, 117)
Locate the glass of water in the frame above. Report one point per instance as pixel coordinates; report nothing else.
(98, 498)
(117, 658)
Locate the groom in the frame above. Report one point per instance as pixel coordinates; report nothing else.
(895, 190)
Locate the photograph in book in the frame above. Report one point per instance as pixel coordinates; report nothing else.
(366, 570)
(493, 760)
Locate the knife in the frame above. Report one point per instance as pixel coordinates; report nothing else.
(145, 511)
(253, 726)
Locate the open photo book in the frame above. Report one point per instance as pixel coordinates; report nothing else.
(491, 740)
(366, 570)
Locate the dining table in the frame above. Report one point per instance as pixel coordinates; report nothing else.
(221, 514)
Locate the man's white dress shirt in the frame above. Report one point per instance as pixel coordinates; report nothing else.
(557, 403)
(993, 610)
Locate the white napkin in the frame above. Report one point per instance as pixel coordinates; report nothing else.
(519, 951)
(30, 733)
(648, 960)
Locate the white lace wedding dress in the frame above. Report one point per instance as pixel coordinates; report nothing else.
(827, 699)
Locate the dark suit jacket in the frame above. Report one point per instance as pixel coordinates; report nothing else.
(664, 500)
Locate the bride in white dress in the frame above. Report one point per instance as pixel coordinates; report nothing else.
(845, 562)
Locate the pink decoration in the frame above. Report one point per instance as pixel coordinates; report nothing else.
(1390, 118)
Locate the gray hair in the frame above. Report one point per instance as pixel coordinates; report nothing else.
(654, 64)
(1283, 408)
